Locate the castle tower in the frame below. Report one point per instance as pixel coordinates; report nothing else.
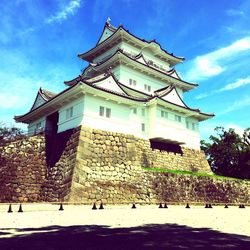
(130, 86)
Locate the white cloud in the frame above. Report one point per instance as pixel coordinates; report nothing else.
(233, 12)
(241, 103)
(234, 85)
(63, 14)
(238, 129)
(238, 83)
(213, 63)
(9, 101)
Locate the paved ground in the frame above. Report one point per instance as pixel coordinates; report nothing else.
(120, 227)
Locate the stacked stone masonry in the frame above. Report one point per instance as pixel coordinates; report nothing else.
(95, 165)
(22, 169)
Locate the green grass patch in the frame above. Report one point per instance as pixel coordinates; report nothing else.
(191, 173)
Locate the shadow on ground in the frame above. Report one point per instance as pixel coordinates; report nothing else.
(155, 236)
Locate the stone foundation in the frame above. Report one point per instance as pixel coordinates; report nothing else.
(87, 165)
(22, 169)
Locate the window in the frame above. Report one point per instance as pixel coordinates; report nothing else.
(135, 111)
(187, 124)
(147, 87)
(193, 126)
(38, 125)
(143, 127)
(108, 112)
(104, 111)
(178, 118)
(164, 114)
(69, 113)
(101, 111)
(132, 82)
(143, 112)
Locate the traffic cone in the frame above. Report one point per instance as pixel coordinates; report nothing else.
(187, 206)
(10, 209)
(61, 207)
(101, 206)
(133, 206)
(226, 206)
(94, 207)
(160, 206)
(20, 210)
(165, 205)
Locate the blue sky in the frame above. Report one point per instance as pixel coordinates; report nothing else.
(40, 40)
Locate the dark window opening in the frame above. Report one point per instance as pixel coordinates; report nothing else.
(165, 146)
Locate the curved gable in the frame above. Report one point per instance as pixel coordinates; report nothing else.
(173, 97)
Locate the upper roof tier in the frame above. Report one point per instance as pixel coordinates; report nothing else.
(138, 62)
(112, 36)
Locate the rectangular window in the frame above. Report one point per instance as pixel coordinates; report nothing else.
(143, 127)
(69, 113)
(101, 111)
(164, 114)
(132, 82)
(143, 112)
(135, 111)
(147, 87)
(187, 124)
(105, 111)
(108, 112)
(178, 118)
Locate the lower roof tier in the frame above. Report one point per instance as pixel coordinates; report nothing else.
(107, 86)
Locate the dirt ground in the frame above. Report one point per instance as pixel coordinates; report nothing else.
(43, 226)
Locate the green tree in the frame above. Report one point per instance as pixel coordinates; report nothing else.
(9, 133)
(228, 153)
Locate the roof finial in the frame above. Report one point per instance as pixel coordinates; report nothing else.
(108, 20)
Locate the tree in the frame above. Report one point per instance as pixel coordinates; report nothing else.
(9, 133)
(229, 153)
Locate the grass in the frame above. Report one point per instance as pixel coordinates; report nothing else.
(185, 172)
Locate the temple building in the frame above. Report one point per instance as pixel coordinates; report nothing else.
(130, 86)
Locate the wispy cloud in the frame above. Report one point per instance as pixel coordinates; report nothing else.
(67, 11)
(234, 12)
(241, 103)
(234, 85)
(213, 63)
(238, 83)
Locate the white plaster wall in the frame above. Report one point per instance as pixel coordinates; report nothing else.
(110, 84)
(76, 120)
(33, 125)
(118, 122)
(168, 128)
(126, 73)
(173, 98)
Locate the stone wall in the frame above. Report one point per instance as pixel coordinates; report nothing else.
(62, 151)
(87, 165)
(109, 168)
(22, 169)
